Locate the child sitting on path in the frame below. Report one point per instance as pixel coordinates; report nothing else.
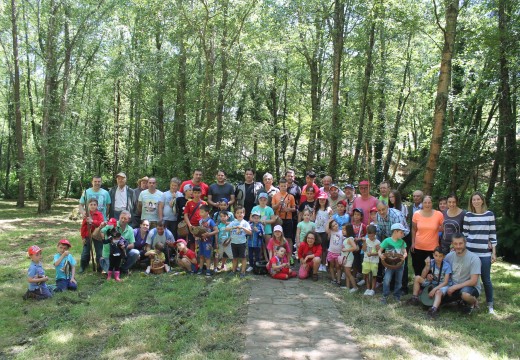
(309, 253)
(396, 244)
(278, 266)
(278, 239)
(371, 260)
(347, 257)
(65, 265)
(36, 276)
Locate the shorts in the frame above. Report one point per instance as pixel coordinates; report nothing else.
(427, 283)
(225, 251)
(333, 256)
(205, 249)
(324, 240)
(287, 227)
(239, 250)
(457, 295)
(346, 261)
(370, 267)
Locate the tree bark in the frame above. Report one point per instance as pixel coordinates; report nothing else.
(441, 100)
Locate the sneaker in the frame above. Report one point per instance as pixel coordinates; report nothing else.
(81, 270)
(343, 276)
(491, 311)
(414, 300)
(432, 313)
(367, 292)
(249, 269)
(242, 275)
(334, 282)
(200, 272)
(361, 283)
(372, 293)
(384, 301)
(208, 273)
(322, 268)
(466, 309)
(231, 273)
(353, 290)
(343, 286)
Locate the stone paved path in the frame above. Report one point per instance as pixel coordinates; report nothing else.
(295, 319)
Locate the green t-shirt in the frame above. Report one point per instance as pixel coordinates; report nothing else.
(305, 228)
(389, 245)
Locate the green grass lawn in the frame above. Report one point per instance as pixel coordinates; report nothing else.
(154, 317)
(191, 317)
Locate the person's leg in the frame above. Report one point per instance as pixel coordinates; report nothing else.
(417, 281)
(71, 286)
(408, 240)
(398, 279)
(485, 274)
(61, 285)
(85, 256)
(316, 262)
(251, 255)
(280, 276)
(303, 272)
(98, 247)
(386, 282)
(132, 256)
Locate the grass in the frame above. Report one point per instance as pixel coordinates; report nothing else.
(155, 317)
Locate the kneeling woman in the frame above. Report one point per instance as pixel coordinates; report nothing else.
(309, 254)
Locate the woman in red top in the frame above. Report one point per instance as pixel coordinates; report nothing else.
(309, 254)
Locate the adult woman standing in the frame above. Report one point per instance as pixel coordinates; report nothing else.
(452, 224)
(426, 224)
(480, 232)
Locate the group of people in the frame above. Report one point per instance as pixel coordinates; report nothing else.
(328, 228)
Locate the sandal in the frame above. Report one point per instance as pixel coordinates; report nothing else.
(314, 277)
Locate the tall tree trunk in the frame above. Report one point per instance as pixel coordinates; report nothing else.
(337, 44)
(441, 100)
(117, 111)
(20, 158)
(275, 133)
(381, 118)
(161, 148)
(364, 100)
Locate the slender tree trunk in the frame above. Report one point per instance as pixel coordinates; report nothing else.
(275, 134)
(441, 100)
(161, 148)
(20, 158)
(381, 119)
(117, 110)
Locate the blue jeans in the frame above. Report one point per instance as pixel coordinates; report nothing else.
(485, 273)
(85, 254)
(131, 258)
(398, 281)
(65, 284)
(254, 255)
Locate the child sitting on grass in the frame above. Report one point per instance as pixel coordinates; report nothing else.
(278, 266)
(65, 265)
(396, 244)
(371, 260)
(347, 257)
(157, 258)
(187, 259)
(38, 289)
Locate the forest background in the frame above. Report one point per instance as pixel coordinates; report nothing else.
(421, 93)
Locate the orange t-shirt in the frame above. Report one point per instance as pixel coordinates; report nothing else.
(427, 234)
(289, 202)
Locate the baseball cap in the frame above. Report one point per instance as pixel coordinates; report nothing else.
(255, 213)
(121, 174)
(112, 222)
(263, 195)
(278, 228)
(187, 187)
(65, 242)
(397, 227)
(180, 241)
(323, 195)
(348, 186)
(373, 209)
(334, 186)
(358, 210)
(34, 249)
(342, 202)
(224, 200)
(364, 182)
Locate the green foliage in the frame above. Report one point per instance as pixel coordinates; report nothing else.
(508, 233)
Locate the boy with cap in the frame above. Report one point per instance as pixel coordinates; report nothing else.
(396, 244)
(36, 276)
(255, 240)
(65, 265)
(187, 257)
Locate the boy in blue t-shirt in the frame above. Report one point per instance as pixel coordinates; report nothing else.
(222, 207)
(396, 244)
(255, 240)
(239, 230)
(206, 243)
(36, 276)
(224, 242)
(65, 265)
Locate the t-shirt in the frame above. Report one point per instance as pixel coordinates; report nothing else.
(35, 270)
(274, 243)
(306, 205)
(216, 216)
(219, 192)
(305, 227)
(480, 231)
(303, 197)
(288, 202)
(150, 204)
(60, 273)
(154, 237)
(257, 235)
(239, 236)
(451, 225)
(275, 260)
(189, 209)
(304, 249)
(208, 224)
(427, 234)
(265, 214)
(463, 267)
(322, 218)
(389, 245)
(438, 275)
(341, 219)
(170, 205)
(249, 198)
(347, 245)
(365, 205)
(223, 234)
(102, 196)
(371, 248)
(204, 188)
(336, 242)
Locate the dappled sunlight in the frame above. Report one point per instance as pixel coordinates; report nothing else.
(60, 336)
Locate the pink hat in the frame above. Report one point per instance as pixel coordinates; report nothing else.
(323, 195)
(180, 241)
(364, 182)
(34, 249)
(112, 222)
(373, 209)
(65, 242)
(278, 228)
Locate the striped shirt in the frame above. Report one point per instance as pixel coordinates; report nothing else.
(480, 231)
(384, 225)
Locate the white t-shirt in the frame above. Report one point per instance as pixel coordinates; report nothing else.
(322, 218)
(371, 248)
(336, 242)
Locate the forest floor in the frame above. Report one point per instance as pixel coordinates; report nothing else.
(194, 317)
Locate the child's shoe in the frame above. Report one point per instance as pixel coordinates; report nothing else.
(372, 292)
(353, 290)
(249, 269)
(414, 300)
(384, 301)
(367, 292)
(242, 275)
(109, 275)
(208, 273)
(116, 275)
(361, 283)
(433, 313)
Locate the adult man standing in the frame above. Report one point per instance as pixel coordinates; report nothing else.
(168, 209)
(466, 270)
(121, 197)
(365, 202)
(196, 180)
(95, 192)
(327, 183)
(246, 192)
(310, 177)
(350, 195)
(148, 205)
(221, 190)
(386, 217)
(418, 197)
(384, 191)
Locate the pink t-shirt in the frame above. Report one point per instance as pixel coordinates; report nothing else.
(427, 234)
(364, 205)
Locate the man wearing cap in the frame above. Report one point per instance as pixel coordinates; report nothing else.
(386, 217)
(95, 192)
(148, 204)
(121, 197)
(350, 195)
(310, 177)
(221, 190)
(365, 201)
(246, 192)
(196, 180)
